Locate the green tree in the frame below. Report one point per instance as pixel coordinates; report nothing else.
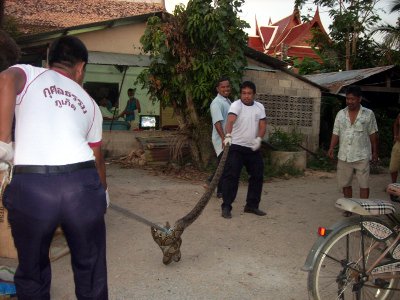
(349, 31)
(333, 56)
(189, 51)
(306, 66)
(396, 6)
(391, 38)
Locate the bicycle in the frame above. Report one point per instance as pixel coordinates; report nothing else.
(358, 257)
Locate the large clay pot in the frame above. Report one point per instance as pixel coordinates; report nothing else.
(299, 158)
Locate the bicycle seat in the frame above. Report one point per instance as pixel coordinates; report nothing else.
(366, 207)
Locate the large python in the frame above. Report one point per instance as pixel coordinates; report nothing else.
(6, 171)
(170, 242)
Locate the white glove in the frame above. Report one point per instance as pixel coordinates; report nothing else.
(6, 151)
(107, 198)
(256, 144)
(3, 166)
(228, 139)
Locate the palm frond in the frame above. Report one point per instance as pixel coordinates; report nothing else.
(396, 6)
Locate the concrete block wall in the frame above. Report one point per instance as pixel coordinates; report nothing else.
(276, 82)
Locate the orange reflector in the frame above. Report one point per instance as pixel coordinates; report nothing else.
(321, 231)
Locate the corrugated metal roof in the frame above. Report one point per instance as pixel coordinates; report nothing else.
(335, 81)
(118, 59)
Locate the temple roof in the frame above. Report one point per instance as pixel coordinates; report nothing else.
(287, 35)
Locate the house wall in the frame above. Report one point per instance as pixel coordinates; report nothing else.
(121, 39)
(293, 103)
(110, 74)
(270, 83)
(124, 40)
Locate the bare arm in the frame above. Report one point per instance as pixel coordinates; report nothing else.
(121, 114)
(220, 130)
(12, 82)
(396, 125)
(138, 105)
(374, 146)
(100, 165)
(262, 128)
(334, 142)
(229, 123)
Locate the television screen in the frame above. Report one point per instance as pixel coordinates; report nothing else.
(149, 122)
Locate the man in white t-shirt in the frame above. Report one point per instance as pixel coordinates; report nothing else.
(244, 131)
(59, 172)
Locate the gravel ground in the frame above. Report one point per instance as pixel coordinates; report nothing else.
(246, 257)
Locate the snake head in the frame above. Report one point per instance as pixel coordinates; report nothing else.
(169, 242)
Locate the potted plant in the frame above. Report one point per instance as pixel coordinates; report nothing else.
(287, 148)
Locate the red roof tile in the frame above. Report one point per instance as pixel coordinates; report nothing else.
(296, 35)
(290, 34)
(268, 34)
(35, 16)
(255, 43)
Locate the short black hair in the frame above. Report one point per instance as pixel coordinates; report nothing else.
(68, 51)
(248, 84)
(131, 90)
(354, 90)
(221, 79)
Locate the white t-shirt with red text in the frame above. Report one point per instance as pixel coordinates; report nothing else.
(57, 122)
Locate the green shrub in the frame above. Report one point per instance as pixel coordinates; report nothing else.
(271, 170)
(286, 141)
(321, 161)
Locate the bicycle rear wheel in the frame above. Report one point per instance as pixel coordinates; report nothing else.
(339, 268)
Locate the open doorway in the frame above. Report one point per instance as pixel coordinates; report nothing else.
(99, 90)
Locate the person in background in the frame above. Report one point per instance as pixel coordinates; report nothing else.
(356, 132)
(219, 112)
(245, 128)
(105, 111)
(129, 111)
(394, 165)
(59, 171)
(109, 104)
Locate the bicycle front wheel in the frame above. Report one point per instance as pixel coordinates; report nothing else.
(340, 269)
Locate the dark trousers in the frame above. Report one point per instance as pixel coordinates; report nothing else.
(238, 157)
(219, 187)
(37, 204)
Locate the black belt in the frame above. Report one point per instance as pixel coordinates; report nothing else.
(20, 169)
